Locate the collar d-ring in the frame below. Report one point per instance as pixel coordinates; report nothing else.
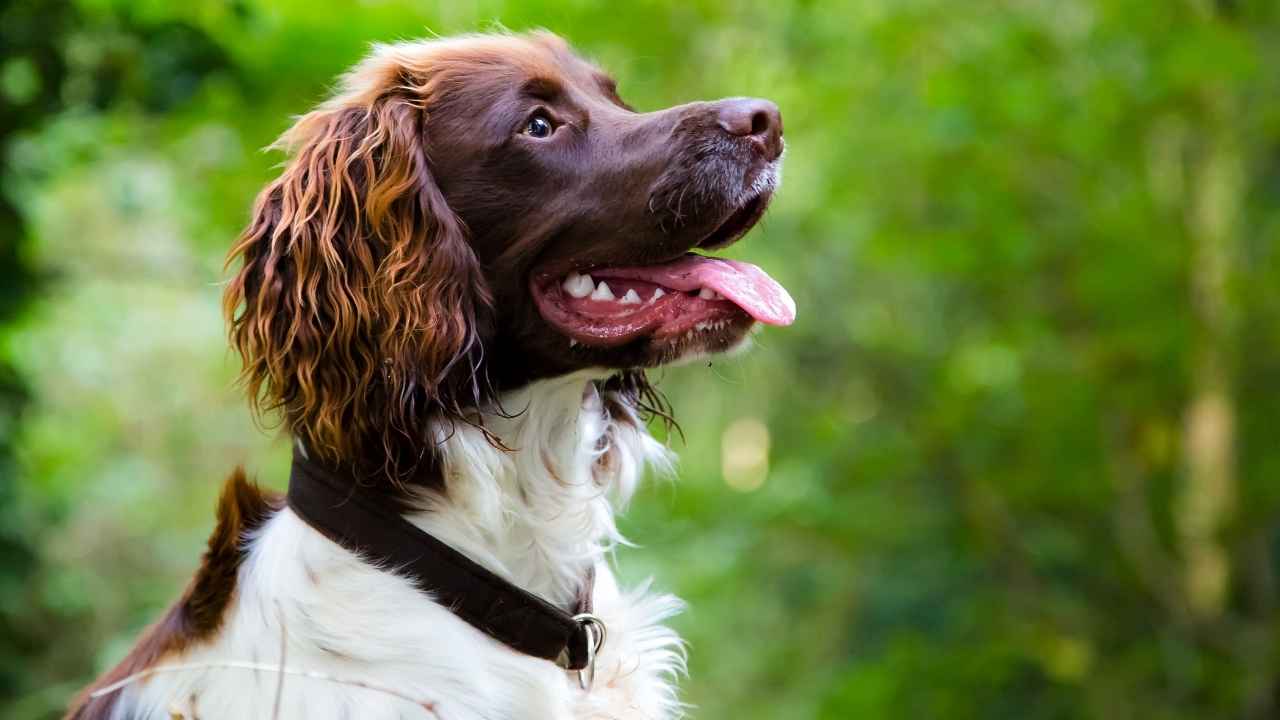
(596, 634)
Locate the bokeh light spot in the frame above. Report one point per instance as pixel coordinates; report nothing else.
(744, 454)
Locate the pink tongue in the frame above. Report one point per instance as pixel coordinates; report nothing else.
(746, 285)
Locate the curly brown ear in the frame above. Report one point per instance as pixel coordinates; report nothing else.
(358, 306)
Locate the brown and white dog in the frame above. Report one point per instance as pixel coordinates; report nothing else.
(454, 288)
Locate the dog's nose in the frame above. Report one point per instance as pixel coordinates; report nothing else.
(753, 118)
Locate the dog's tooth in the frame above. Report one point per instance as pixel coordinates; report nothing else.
(657, 293)
(578, 286)
(573, 343)
(602, 292)
(707, 294)
(631, 298)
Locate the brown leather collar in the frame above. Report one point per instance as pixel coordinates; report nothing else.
(334, 503)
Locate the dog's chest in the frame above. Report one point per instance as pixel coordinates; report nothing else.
(315, 632)
(354, 642)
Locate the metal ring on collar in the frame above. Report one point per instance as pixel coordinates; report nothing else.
(597, 633)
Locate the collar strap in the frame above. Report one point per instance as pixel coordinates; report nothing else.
(335, 504)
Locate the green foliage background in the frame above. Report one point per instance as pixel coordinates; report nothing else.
(1023, 454)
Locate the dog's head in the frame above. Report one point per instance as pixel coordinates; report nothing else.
(467, 215)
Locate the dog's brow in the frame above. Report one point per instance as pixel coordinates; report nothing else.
(609, 87)
(543, 88)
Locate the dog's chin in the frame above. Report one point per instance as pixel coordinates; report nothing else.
(705, 339)
(725, 340)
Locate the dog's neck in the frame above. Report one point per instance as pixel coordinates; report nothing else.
(538, 514)
(541, 512)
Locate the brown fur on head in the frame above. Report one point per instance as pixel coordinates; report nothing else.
(405, 267)
(359, 294)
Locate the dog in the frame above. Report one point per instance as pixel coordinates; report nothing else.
(450, 295)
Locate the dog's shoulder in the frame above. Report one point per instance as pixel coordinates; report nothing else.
(243, 508)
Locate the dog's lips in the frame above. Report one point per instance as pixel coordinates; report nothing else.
(612, 306)
(738, 223)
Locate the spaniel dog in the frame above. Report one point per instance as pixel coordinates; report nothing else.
(450, 295)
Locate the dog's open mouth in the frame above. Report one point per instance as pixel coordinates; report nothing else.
(612, 306)
(689, 297)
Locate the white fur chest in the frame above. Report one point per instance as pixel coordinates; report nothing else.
(357, 642)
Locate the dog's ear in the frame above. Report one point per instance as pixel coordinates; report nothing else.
(357, 306)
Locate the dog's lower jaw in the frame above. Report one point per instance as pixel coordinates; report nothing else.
(374, 646)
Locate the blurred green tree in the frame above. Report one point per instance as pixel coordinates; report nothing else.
(51, 49)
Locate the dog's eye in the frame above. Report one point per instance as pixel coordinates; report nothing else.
(539, 127)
